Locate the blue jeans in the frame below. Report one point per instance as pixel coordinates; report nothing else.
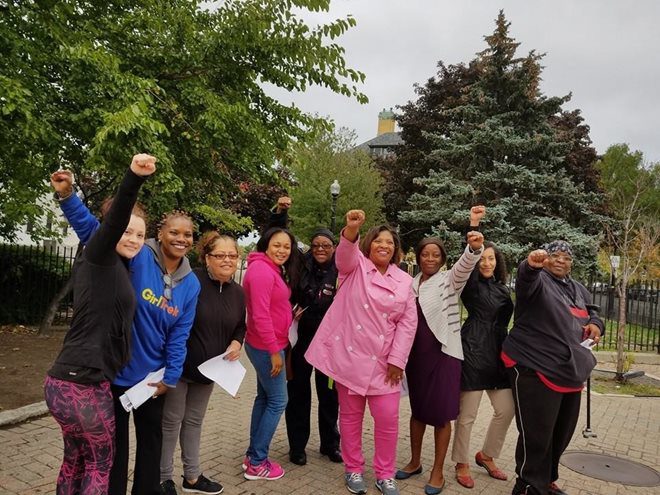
(269, 404)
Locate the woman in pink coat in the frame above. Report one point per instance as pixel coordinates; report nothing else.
(363, 344)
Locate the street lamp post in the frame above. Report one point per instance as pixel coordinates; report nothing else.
(335, 189)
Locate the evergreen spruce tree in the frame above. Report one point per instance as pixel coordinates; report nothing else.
(501, 147)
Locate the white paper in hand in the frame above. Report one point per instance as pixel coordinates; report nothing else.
(293, 333)
(140, 393)
(227, 374)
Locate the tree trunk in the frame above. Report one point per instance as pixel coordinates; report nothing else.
(621, 329)
(47, 321)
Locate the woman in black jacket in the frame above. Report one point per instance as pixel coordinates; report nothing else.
(489, 306)
(219, 327)
(97, 345)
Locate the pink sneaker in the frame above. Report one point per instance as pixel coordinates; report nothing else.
(267, 470)
(246, 462)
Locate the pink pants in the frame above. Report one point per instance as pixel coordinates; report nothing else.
(385, 411)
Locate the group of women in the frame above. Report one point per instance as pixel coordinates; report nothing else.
(139, 307)
(361, 321)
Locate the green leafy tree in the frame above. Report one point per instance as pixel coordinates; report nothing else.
(484, 133)
(633, 192)
(330, 157)
(85, 84)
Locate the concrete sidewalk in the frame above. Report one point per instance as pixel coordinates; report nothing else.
(30, 453)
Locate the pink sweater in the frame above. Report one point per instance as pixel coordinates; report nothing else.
(269, 312)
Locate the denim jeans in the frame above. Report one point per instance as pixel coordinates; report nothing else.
(269, 404)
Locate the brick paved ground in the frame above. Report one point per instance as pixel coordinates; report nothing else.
(30, 453)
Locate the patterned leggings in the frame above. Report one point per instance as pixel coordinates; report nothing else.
(86, 415)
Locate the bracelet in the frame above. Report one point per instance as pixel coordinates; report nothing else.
(59, 198)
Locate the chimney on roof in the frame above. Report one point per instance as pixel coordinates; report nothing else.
(385, 121)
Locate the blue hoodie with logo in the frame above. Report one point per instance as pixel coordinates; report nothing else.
(160, 326)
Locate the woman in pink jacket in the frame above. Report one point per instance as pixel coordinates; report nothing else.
(363, 344)
(272, 270)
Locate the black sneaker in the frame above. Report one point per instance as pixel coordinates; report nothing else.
(202, 485)
(168, 487)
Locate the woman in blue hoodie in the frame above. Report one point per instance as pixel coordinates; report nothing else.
(166, 291)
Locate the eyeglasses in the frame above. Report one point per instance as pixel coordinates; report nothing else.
(561, 257)
(222, 256)
(324, 246)
(167, 291)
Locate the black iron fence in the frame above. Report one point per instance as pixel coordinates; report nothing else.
(642, 332)
(30, 276)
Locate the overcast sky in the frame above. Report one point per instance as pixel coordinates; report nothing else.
(607, 53)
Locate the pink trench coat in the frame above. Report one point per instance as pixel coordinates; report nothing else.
(371, 324)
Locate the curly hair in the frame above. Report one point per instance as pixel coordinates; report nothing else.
(500, 273)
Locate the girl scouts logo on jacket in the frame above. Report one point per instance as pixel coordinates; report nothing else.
(149, 296)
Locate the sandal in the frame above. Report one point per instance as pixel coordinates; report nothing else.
(464, 479)
(496, 473)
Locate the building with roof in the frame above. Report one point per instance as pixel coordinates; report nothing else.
(386, 139)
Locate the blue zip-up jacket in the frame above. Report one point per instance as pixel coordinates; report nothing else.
(160, 328)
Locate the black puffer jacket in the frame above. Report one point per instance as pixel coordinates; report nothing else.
(489, 308)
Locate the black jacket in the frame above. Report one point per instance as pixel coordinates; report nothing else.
(97, 345)
(489, 308)
(219, 319)
(316, 291)
(547, 328)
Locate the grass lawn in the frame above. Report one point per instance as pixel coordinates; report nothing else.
(609, 386)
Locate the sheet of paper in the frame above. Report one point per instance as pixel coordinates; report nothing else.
(293, 333)
(140, 393)
(227, 374)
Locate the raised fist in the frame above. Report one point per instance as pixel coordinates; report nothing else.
(476, 214)
(536, 258)
(62, 182)
(143, 164)
(283, 203)
(355, 219)
(475, 240)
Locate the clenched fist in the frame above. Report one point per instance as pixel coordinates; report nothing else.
(355, 219)
(283, 203)
(536, 258)
(62, 182)
(143, 164)
(475, 240)
(476, 214)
